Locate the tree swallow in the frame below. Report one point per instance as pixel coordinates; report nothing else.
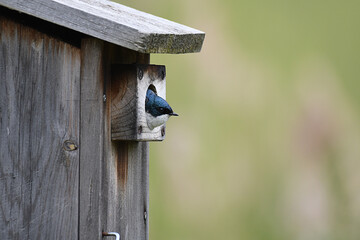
(157, 110)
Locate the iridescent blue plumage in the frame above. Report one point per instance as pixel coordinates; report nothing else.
(157, 110)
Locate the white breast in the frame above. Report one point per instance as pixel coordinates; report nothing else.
(154, 122)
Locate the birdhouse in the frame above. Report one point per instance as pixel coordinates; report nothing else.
(74, 151)
(129, 86)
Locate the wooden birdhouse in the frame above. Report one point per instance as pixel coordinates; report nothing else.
(130, 83)
(74, 151)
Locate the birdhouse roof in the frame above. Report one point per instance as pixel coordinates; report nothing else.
(115, 23)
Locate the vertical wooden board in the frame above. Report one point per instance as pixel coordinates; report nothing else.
(10, 182)
(54, 128)
(127, 191)
(134, 191)
(126, 167)
(40, 105)
(91, 151)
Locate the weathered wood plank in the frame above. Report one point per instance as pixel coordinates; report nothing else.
(10, 181)
(39, 102)
(129, 83)
(126, 168)
(114, 188)
(115, 23)
(42, 102)
(91, 135)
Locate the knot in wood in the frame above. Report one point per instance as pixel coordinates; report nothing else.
(69, 146)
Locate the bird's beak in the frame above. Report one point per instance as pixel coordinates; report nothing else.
(174, 114)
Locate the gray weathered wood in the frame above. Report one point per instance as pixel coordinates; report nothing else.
(128, 92)
(126, 168)
(91, 135)
(51, 101)
(39, 111)
(115, 23)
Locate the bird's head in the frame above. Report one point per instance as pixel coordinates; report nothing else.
(158, 108)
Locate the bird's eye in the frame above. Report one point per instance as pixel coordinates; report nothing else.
(161, 109)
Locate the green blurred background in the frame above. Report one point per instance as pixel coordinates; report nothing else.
(267, 145)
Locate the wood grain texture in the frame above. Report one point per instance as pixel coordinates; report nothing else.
(39, 111)
(126, 169)
(129, 83)
(115, 23)
(91, 129)
(61, 175)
